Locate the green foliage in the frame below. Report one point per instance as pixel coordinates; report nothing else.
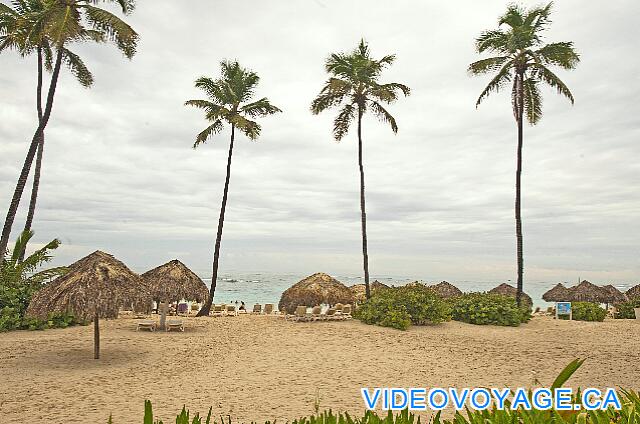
(522, 60)
(489, 309)
(587, 311)
(228, 101)
(182, 418)
(399, 307)
(354, 82)
(626, 310)
(19, 281)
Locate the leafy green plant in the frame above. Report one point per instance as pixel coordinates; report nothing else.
(489, 309)
(587, 311)
(625, 310)
(399, 307)
(182, 418)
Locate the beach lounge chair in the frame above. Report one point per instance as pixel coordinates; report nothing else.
(268, 308)
(231, 310)
(174, 324)
(301, 314)
(331, 315)
(146, 324)
(316, 314)
(183, 309)
(218, 311)
(346, 312)
(257, 309)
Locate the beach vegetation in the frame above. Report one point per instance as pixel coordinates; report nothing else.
(20, 280)
(229, 101)
(625, 310)
(629, 412)
(400, 307)
(520, 59)
(489, 309)
(354, 86)
(587, 311)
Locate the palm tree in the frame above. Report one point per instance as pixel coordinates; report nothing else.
(354, 86)
(16, 33)
(52, 25)
(523, 60)
(229, 101)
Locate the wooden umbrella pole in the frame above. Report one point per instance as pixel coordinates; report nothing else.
(96, 337)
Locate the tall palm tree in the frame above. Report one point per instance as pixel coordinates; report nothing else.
(57, 24)
(229, 101)
(522, 59)
(354, 86)
(16, 32)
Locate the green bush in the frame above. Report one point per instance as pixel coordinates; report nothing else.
(489, 309)
(628, 414)
(587, 311)
(625, 310)
(399, 307)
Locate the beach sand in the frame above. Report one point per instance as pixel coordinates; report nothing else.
(264, 368)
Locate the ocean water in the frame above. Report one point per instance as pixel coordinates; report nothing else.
(268, 287)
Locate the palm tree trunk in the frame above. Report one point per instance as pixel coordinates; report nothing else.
(26, 167)
(365, 254)
(206, 308)
(37, 170)
(519, 254)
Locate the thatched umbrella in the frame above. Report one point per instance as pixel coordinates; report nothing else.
(633, 292)
(588, 292)
(95, 287)
(508, 290)
(173, 281)
(446, 290)
(615, 295)
(559, 293)
(359, 290)
(314, 290)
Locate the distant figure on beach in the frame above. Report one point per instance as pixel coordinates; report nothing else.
(242, 307)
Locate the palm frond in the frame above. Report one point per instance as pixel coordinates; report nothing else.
(114, 28)
(78, 68)
(259, 108)
(487, 65)
(384, 116)
(343, 121)
(493, 41)
(248, 127)
(532, 100)
(326, 101)
(208, 132)
(561, 54)
(497, 82)
(545, 74)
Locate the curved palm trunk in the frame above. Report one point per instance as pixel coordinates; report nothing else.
(206, 308)
(38, 168)
(26, 167)
(519, 254)
(365, 254)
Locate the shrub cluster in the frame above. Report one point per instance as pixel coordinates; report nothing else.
(587, 311)
(399, 307)
(626, 310)
(489, 309)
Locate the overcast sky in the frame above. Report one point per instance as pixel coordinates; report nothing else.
(120, 175)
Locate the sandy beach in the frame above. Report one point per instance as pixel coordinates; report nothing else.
(261, 367)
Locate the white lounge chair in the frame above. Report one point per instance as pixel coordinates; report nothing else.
(218, 311)
(231, 310)
(146, 325)
(268, 308)
(174, 324)
(257, 309)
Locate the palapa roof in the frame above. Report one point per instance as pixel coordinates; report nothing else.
(446, 290)
(173, 281)
(559, 293)
(508, 290)
(615, 295)
(96, 284)
(633, 292)
(359, 290)
(314, 290)
(588, 292)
